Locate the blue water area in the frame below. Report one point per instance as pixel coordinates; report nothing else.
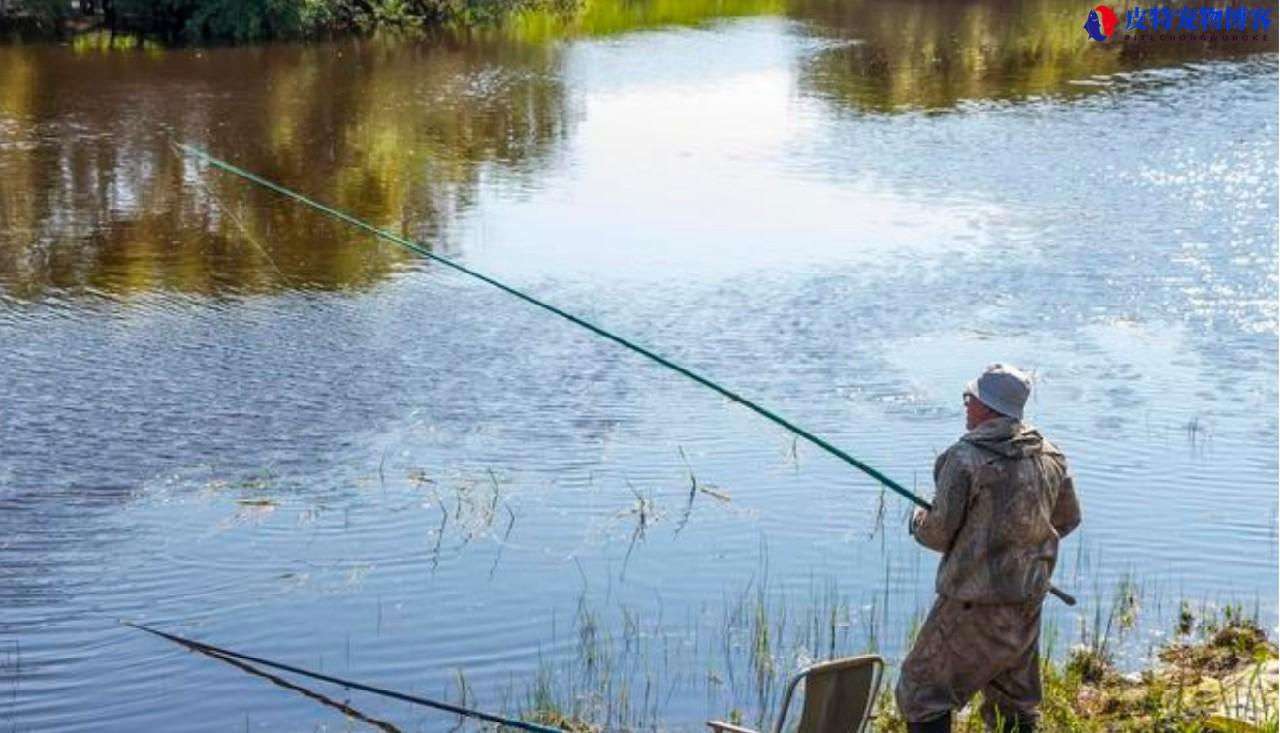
(247, 423)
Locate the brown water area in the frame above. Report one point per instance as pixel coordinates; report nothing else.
(96, 197)
(397, 131)
(937, 54)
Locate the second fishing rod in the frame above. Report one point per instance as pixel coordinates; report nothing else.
(426, 253)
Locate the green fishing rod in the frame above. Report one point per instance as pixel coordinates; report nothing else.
(426, 253)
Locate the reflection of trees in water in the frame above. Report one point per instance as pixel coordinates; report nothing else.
(400, 133)
(93, 195)
(934, 53)
(609, 17)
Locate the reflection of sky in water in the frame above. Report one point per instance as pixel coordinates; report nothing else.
(705, 185)
(274, 472)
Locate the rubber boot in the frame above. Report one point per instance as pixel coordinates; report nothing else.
(1023, 725)
(937, 725)
(1016, 725)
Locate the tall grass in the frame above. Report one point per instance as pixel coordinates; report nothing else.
(627, 667)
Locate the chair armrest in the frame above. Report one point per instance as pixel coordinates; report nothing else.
(719, 726)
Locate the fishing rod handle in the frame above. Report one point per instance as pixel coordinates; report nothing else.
(1062, 595)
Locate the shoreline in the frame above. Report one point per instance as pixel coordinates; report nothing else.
(193, 25)
(1220, 674)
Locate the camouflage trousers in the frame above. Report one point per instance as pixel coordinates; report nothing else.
(964, 648)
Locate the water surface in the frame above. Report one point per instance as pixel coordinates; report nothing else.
(234, 418)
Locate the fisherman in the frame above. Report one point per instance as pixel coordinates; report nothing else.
(1003, 498)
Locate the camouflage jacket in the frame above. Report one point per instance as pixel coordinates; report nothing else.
(1003, 499)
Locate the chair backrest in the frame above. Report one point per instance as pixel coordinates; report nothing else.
(838, 695)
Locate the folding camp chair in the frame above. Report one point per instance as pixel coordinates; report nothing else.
(838, 697)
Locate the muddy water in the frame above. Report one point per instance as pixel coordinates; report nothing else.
(226, 415)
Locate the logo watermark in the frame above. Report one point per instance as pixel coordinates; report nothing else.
(1180, 24)
(1101, 23)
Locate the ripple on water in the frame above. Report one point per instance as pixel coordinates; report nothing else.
(417, 479)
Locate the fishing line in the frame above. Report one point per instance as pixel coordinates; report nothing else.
(229, 655)
(423, 251)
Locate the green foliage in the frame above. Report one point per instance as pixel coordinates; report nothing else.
(1089, 664)
(243, 20)
(1186, 620)
(213, 20)
(49, 13)
(240, 21)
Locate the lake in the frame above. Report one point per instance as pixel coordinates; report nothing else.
(229, 416)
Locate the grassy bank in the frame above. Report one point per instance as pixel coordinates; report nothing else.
(1216, 672)
(1220, 677)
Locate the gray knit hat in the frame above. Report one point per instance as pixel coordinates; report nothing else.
(1002, 388)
